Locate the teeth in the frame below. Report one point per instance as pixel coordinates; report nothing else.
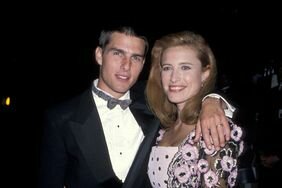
(175, 88)
(123, 77)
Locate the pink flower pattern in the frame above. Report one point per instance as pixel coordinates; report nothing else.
(190, 167)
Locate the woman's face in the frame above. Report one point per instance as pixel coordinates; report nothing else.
(181, 74)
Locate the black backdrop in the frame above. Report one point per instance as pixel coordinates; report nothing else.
(47, 49)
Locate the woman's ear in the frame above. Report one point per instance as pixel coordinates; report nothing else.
(205, 75)
(99, 55)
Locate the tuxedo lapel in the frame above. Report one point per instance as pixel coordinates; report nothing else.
(138, 170)
(88, 132)
(89, 135)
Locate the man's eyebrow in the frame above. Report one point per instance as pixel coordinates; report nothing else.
(116, 49)
(124, 52)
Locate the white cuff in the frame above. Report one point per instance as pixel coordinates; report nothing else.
(230, 109)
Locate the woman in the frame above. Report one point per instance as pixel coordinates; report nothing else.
(184, 71)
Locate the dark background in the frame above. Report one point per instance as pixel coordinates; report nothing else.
(46, 57)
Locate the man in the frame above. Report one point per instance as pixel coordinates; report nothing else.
(90, 142)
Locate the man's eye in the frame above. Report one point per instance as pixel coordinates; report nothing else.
(116, 52)
(185, 68)
(137, 58)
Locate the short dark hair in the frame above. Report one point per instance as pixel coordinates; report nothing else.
(106, 34)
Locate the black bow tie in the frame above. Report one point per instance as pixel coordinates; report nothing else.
(112, 102)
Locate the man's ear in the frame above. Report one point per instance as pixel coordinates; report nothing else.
(99, 55)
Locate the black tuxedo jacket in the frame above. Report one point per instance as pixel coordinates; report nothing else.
(74, 151)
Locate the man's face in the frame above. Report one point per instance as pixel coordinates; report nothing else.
(121, 62)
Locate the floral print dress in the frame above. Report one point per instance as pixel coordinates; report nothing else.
(193, 164)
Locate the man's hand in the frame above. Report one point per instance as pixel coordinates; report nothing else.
(213, 124)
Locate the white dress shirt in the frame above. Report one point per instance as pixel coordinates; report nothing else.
(229, 110)
(122, 132)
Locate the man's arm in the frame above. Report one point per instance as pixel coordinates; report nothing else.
(212, 123)
(52, 156)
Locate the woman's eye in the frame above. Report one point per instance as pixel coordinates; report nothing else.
(166, 68)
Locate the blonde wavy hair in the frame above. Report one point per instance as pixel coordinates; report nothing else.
(157, 99)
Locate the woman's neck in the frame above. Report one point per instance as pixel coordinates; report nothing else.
(175, 135)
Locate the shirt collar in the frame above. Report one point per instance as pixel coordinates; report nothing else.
(125, 96)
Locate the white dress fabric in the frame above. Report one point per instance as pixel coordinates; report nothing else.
(193, 165)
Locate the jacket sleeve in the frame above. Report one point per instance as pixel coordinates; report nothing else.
(52, 160)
